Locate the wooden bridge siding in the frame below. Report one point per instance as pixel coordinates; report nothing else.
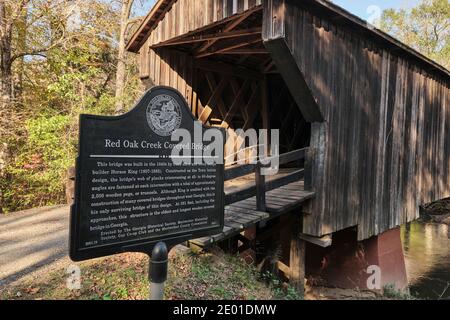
(348, 77)
(173, 69)
(381, 150)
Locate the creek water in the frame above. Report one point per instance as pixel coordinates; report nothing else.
(426, 248)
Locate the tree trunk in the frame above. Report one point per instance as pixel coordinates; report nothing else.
(5, 86)
(5, 61)
(3, 162)
(20, 63)
(121, 63)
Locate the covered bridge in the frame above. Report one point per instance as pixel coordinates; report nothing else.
(373, 113)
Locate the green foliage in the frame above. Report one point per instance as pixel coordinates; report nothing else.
(74, 77)
(281, 290)
(41, 165)
(216, 277)
(425, 28)
(390, 292)
(191, 276)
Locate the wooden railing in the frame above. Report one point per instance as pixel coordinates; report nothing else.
(260, 187)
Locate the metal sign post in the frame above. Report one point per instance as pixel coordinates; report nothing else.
(158, 271)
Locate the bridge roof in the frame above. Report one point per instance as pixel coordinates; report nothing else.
(319, 7)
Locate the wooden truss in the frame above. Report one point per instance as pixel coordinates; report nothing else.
(238, 36)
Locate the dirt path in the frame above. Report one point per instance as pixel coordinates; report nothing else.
(32, 241)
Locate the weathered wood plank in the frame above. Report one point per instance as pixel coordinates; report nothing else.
(324, 241)
(249, 190)
(297, 258)
(380, 152)
(294, 79)
(238, 171)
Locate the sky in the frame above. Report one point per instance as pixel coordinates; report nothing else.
(368, 10)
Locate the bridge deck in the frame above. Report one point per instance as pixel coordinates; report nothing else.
(243, 214)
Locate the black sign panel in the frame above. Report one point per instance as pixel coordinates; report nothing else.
(135, 186)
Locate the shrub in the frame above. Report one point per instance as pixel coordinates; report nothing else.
(36, 175)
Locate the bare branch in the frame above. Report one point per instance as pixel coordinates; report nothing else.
(133, 21)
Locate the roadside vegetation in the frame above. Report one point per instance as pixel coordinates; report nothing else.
(390, 292)
(193, 276)
(58, 60)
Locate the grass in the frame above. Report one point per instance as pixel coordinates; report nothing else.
(390, 292)
(215, 276)
(281, 291)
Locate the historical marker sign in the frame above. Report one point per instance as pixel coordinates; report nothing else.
(135, 186)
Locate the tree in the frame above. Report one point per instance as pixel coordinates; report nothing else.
(121, 63)
(10, 12)
(425, 28)
(18, 18)
(64, 60)
(126, 24)
(59, 58)
(21, 26)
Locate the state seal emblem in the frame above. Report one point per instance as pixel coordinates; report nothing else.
(163, 115)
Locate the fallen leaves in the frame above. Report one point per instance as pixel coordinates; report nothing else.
(32, 291)
(191, 276)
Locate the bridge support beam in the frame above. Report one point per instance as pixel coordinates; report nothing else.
(367, 265)
(297, 258)
(386, 252)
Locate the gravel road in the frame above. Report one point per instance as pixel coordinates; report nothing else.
(32, 241)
